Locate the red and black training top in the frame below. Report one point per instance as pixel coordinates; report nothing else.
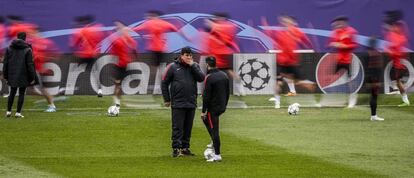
(216, 92)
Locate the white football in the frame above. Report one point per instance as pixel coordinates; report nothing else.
(208, 153)
(113, 111)
(293, 109)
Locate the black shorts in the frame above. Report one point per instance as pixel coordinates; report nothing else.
(346, 67)
(373, 75)
(119, 74)
(397, 74)
(157, 58)
(226, 62)
(40, 80)
(288, 70)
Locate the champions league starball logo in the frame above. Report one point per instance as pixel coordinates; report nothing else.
(191, 24)
(331, 81)
(254, 74)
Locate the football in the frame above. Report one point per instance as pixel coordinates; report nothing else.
(293, 109)
(208, 153)
(113, 111)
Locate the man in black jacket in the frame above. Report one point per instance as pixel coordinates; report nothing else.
(19, 71)
(215, 99)
(179, 89)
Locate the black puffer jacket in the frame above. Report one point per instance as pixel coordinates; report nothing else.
(18, 67)
(179, 84)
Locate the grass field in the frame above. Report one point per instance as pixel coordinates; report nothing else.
(81, 141)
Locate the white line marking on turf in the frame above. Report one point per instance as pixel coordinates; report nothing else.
(165, 108)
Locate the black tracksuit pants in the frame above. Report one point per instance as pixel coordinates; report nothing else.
(13, 92)
(212, 124)
(182, 124)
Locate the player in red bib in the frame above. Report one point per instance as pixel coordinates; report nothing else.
(123, 46)
(343, 41)
(397, 39)
(288, 39)
(221, 43)
(156, 44)
(44, 50)
(85, 42)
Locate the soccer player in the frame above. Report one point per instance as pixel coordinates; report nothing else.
(222, 44)
(373, 73)
(215, 98)
(123, 45)
(156, 28)
(343, 41)
(85, 41)
(44, 50)
(179, 90)
(397, 39)
(287, 40)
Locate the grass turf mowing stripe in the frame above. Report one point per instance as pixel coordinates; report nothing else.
(13, 169)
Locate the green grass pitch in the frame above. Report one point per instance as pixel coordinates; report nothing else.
(81, 141)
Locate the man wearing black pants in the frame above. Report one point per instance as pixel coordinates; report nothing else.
(215, 99)
(373, 73)
(19, 71)
(179, 89)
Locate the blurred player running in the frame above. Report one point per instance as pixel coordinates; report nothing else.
(287, 40)
(343, 41)
(123, 46)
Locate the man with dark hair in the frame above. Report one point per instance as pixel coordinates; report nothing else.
(215, 98)
(288, 62)
(19, 71)
(179, 89)
(123, 45)
(44, 50)
(222, 44)
(343, 40)
(397, 37)
(85, 43)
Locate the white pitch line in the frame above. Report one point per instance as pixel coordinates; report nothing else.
(165, 108)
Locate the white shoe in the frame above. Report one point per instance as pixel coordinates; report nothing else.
(210, 145)
(100, 93)
(8, 114)
(350, 106)
(352, 101)
(277, 105)
(376, 118)
(18, 115)
(50, 109)
(242, 92)
(215, 158)
(272, 99)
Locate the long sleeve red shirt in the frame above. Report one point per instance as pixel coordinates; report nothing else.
(346, 37)
(156, 28)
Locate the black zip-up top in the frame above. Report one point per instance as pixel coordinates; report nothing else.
(179, 84)
(216, 92)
